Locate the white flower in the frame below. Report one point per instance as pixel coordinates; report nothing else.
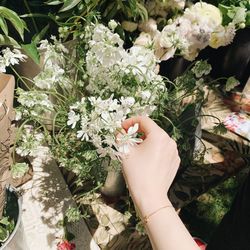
(53, 73)
(10, 57)
(205, 15)
(144, 39)
(29, 142)
(49, 77)
(149, 26)
(146, 94)
(222, 36)
(189, 33)
(73, 118)
(112, 24)
(127, 140)
(34, 102)
(105, 49)
(18, 114)
(112, 121)
(83, 133)
(173, 37)
(127, 101)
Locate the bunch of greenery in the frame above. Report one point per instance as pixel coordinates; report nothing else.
(204, 215)
(6, 227)
(19, 25)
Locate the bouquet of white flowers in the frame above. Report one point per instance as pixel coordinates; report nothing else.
(81, 97)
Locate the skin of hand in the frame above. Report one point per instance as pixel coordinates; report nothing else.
(149, 170)
(150, 167)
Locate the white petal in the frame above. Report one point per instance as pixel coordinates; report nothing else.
(132, 130)
(124, 149)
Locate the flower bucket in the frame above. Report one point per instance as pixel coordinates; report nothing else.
(16, 240)
(114, 184)
(7, 85)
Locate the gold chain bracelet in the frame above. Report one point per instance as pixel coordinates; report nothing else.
(146, 218)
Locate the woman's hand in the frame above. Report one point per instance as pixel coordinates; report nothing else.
(150, 167)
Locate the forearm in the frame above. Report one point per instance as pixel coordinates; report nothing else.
(165, 229)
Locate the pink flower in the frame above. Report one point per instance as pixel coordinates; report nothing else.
(65, 245)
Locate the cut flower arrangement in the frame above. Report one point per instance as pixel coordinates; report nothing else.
(199, 26)
(75, 106)
(78, 101)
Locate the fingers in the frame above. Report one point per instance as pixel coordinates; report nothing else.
(146, 125)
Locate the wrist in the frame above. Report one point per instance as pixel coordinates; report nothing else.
(151, 203)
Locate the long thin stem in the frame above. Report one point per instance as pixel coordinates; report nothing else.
(19, 77)
(166, 118)
(32, 18)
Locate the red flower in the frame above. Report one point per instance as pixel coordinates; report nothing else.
(200, 243)
(65, 245)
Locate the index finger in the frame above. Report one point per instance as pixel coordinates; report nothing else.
(146, 125)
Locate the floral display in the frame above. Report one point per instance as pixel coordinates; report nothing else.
(98, 63)
(112, 85)
(84, 100)
(200, 25)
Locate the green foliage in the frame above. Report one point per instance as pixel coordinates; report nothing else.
(236, 10)
(201, 68)
(6, 227)
(16, 22)
(73, 214)
(182, 108)
(77, 157)
(203, 215)
(231, 83)
(216, 203)
(237, 14)
(220, 129)
(7, 40)
(32, 52)
(77, 9)
(69, 4)
(18, 170)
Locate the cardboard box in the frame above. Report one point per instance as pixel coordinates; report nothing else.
(7, 85)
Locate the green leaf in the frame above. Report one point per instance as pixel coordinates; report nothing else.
(54, 2)
(248, 19)
(4, 234)
(32, 52)
(4, 221)
(7, 40)
(224, 10)
(231, 83)
(49, 16)
(15, 20)
(142, 11)
(220, 129)
(238, 14)
(38, 37)
(3, 26)
(110, 11)
(18, 170)
(69, 4)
